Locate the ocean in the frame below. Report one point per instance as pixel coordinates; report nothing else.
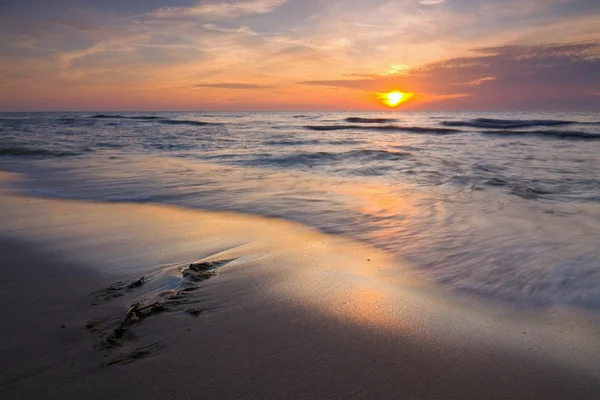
(501, 206)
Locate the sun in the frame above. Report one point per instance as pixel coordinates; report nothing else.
(395, 98)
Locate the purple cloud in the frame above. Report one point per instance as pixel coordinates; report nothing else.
(550, 76)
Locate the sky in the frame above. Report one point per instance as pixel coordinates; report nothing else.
(137, 55)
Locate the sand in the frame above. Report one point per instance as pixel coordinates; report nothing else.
(286, 312)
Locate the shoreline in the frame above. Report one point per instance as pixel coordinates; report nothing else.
(293, 315)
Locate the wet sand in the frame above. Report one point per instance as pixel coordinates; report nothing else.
(288, 313)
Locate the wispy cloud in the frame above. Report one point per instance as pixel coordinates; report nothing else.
(357, 84)
(233, 85)
(220, 9)
(244, 30)
(477, 82)
(431, 2)
(314, 52)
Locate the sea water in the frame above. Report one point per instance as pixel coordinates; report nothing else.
(504, 206)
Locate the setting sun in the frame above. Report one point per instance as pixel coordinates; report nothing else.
(395, 98)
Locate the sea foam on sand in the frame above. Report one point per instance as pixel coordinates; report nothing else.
(267, 309)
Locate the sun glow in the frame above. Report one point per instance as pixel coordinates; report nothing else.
(395, 98)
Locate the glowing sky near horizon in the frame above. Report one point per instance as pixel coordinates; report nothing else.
(299, 54)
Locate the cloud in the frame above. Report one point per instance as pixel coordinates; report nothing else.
(591, 47)
(431, 2)
(446, 52)
(224, 10)
(358, 84)
(233, 85)
(479, 81)
(244, 30)
(549, 76)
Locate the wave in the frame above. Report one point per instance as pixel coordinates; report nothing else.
(312, 142)
(523, 190)
(490, 123)
(343, 142)
(323, 157)
(391, 128)
(370, 120)
(292, 142)
(117, 116)
(573, 135)
(529, 193)
(15, 119)
(375, 154)
(67, 120)
(558, 134)
(26, 151)
(331, 127)
(184, 122)
(437, 131)
(154, 118)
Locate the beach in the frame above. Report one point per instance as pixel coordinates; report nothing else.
(276, 310)
(300, 199)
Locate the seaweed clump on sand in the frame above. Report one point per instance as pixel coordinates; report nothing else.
(117, 289)
(115, 332)
(201, 271)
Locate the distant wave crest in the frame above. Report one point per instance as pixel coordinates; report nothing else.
(154, 118)
(391, 128)
(370, 120)
(555, 134)
(116, 116)
(184, 122)
(490, 123)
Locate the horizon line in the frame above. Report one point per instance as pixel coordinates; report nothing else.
(292, 111)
